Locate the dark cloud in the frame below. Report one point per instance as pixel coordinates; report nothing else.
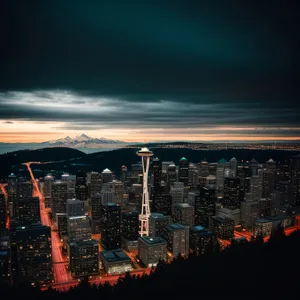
(8, 122)
(155, 63)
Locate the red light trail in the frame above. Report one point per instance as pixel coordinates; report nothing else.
(3, 189)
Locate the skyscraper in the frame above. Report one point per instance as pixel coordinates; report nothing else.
(233, 167)
(81, 190)
(145, 153)
(205, 205)
(177, 237)
(111, 226)
(28, 211)
(71, 183)
(232, 194)
(78, 228)
(171, 174)
(183, 175)
(84, 259)
(33, 253)
(220, 176)
(12, 193)
(48, 181)
(75, 207)
(295, 179)
(157, 223)
(184, 214)
(94, 180)
(106, 175)
(59, 198)
(96, 213)
(24, 189)
(130, 225)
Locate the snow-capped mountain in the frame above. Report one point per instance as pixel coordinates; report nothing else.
(82, 141)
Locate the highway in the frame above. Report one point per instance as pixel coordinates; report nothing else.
(60, 273)
(3, 189)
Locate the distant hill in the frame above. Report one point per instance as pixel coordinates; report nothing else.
(10, 161)
(116, 158)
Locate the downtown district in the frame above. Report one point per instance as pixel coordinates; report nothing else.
(59, 228)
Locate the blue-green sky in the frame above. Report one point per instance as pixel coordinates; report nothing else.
(176, 69)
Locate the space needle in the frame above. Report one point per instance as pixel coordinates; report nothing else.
(145, 153)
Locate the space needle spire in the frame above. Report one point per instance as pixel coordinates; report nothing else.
(145, 153)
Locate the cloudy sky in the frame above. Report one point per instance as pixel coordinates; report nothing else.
(149, 70)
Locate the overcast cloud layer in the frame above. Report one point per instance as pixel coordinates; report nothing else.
(185, 65)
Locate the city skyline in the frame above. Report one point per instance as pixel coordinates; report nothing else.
(149, 71)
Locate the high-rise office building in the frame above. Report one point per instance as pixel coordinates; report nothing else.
(107, 176)
(78, 228)
(256, 187)
(96, 213)
(59, 197)
(264, 207)
(177, 193)
(106, 194)
(28, 211)
(12, 192)
(130, 225)
(62, 224)
(124, 174)
(5, 257)
(203, 169)
(233, 164)
(232, 193)
(118, 191)
(184, 214)
(162, 203)
(71, 183)
(220, 176)
(282, 191)
(152, 250)
(75, 208)
(157, 223)
(171, 173)
(205, 205)
(130, 230)
(254, 167)
(24, 190)
(33, 253)
(94, 181)
(84, 259)
(202, 240)
(47, 189)
(223, 226)
(81, 189)
(111, 226)
(177, 237)
(183, 174)
(193, 176)
(249, 214)
(295, 179)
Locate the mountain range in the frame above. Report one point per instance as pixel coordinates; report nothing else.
(81, 141)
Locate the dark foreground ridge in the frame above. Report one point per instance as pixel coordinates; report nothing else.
(11, 161)
(246, 270)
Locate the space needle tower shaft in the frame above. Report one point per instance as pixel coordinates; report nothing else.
(145, 153)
